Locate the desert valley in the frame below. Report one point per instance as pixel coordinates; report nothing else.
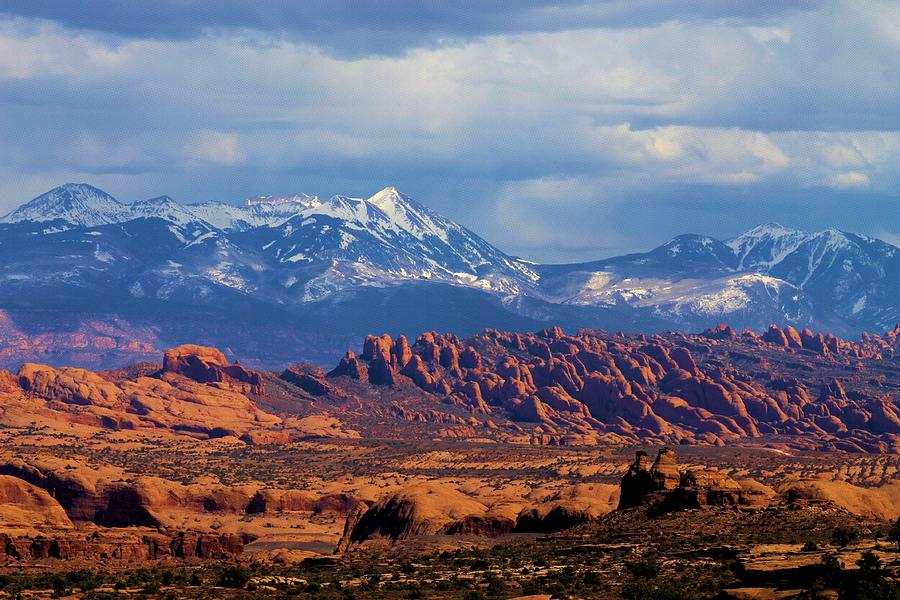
(497, 465)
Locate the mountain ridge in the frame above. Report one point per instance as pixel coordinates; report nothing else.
(294, 258)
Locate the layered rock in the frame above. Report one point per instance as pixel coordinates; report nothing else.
(128, 546)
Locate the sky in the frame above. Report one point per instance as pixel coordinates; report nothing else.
(558, 131)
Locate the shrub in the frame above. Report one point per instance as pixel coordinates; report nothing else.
(234, 577)
(844, 536)
(645, 567)
(894, 533)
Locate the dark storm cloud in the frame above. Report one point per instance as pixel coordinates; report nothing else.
(381, 27)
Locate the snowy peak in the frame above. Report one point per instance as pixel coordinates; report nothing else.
(410, 216)
(255, 212)
(691, 245)
(769, 230)
(77, 203)
(766, 245)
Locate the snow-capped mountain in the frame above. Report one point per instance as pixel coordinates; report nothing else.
(79, 204)
(292, 250)
(349, 265)
(83, 205)
(765, 245)
(769, 273)
(255, 212)
(163, 207)
(387, 238)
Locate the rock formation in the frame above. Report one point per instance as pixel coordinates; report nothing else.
(665, 487)
(431, 509)
(637, 483)
(24, 506)
(714, 388)
(207, 365)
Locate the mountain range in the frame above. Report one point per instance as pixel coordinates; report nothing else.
(286, 271)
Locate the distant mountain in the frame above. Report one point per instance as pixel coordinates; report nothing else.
(78, 204)
(287, 263)
(832, 279)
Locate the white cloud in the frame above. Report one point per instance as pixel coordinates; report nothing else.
(214, 146)
(850, 179)
(37, 50)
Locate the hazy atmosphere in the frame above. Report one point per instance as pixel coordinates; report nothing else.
(558, 132)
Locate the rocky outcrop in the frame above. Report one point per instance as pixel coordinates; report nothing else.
(104, 497)
(571, 506)
(209, 365)
(432, 509)
(419, 510)
(637, 483)
(197, 394)
(350, 367)
(879, 502)
(69, 386)
(667, 488)
(24, 506)
(664, 471)
(353, 518)
(274, 501)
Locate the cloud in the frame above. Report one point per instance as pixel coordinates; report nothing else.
(382, 28)
(850, 179)
(557, 111)
(215, 147)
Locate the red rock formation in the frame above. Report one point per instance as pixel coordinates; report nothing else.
(350, 367)
(309, 379)
(130, 546)
(637, 483)
(636, 386)
(668, 488)
(664, 471)
(793, 337)
(776, 336)
(206, 365)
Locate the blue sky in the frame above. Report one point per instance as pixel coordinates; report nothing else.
(559, 131)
